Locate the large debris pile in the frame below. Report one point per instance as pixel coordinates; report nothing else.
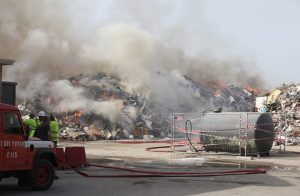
(284, 103)
(214, 94)
(152, 118)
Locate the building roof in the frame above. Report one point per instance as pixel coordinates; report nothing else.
(6, 62)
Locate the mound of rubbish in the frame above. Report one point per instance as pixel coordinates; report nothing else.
(131, 115)
(284, 103)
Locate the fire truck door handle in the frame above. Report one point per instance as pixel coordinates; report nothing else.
(31, 147)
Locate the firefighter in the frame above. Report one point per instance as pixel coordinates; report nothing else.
(41, 115)
(31, 124)
(43, 127)
(54, 129)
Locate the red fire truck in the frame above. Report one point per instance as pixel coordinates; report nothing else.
(32, 162)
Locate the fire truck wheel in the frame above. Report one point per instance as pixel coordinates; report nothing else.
(42, 175)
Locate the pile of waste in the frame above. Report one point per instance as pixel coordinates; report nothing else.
(284, 103)
(152, 119)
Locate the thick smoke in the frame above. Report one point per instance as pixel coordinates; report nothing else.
(148, 51)
(71, 99)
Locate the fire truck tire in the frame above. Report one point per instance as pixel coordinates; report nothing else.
(42, 175)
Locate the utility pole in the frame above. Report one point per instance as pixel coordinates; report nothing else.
(3, 62)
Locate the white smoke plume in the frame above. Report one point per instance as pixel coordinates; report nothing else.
(74, 99)
(149, 53)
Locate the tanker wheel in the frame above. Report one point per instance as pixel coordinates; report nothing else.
(42, 175)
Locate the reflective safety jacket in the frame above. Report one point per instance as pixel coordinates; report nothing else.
(54, 130)
(31, 124)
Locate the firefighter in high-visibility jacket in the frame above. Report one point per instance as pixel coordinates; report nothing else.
(31, 124)
(54, 129)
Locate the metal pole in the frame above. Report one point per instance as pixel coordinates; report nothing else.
(279, 140)
(240, 150)
(172, 135)
(285, 141)
(1, 83)
(246, 135)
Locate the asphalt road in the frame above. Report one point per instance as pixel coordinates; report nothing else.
(277, 182)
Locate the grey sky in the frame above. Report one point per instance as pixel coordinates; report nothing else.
(240, 39)
(267, 30)
(265, 33)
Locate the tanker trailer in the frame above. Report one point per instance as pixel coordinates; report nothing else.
(252, 132)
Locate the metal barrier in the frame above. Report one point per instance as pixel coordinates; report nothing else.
(183, 131)
(75, 156)
(236, 133)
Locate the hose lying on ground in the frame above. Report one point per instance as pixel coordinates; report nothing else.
(145, 173)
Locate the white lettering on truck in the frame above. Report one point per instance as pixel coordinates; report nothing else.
(7, 143)
(12, 155)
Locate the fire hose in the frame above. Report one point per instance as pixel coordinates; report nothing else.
(147, 173)
(153, 149)
(188, 136)
(75, 157)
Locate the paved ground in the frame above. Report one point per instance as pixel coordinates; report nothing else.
(70, 183)
(283, 176)
(127, 151)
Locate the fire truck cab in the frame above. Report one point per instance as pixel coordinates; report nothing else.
(31, 161)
